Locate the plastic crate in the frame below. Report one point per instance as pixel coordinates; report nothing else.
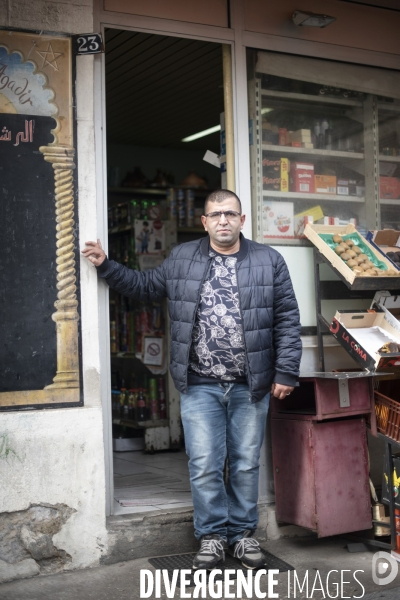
(387, 416)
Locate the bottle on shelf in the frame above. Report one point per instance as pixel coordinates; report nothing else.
(122, 398)
(153, 400)
(317, 131)
(141, 412)
(329, 137)
(181, 208)
(131, 405)
(189, 208)
(161, 398)
(144, 210)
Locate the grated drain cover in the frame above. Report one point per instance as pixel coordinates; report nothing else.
(185, 561)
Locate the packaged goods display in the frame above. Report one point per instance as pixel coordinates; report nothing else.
(325, 184)
(276, 174)
(278, 219)
(389, 187)
(143, 402)
(302, 177)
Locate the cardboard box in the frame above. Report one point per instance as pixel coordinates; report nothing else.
(346, 187)
(278, 219)
(385, 240)
(389, 187)
(301, 177)
(276, 174)
(312, 232)
(325, 184)
(301, 135)
(362, 333)
(307, 216)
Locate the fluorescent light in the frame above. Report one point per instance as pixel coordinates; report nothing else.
(201, 134)
(264, 111)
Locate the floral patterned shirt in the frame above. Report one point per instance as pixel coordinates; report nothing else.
(217, 349)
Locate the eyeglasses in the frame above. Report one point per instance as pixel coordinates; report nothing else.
(230, 215)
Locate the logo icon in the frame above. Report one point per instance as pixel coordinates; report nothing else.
(384, 568)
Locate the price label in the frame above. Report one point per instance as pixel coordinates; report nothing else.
(88, 43)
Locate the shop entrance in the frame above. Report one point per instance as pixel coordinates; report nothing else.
(164, 110)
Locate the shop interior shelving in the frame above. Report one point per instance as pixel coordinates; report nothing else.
(364, 116)
(154, 192)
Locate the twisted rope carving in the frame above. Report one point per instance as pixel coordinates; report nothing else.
(63, 164)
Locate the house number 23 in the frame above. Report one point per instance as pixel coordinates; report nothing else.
(88, 43)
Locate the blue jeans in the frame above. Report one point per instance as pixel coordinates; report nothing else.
(219, 421)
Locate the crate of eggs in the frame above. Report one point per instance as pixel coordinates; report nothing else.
(349, 252)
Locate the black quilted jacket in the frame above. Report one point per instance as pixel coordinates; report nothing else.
(268, 305)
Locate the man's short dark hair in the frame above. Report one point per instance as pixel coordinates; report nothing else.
(220, 196)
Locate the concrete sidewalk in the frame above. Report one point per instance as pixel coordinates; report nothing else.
(309, 556)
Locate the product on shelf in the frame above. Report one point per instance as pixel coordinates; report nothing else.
(189, 208)
(153, 399)
(301, 178)
(278, 219)
(325, 184)
(346, 187)
(161, 398)
(276, 174)
(389, 187)
(337, 221)
(194, 181)
(181, 208)
(283, 136)
(171, 204)
(307, 216)
(301, 135)
(142, 413)
(270, 133)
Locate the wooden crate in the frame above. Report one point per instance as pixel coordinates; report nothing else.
(312, 233)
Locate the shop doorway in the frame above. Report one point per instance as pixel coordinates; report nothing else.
(160, 90)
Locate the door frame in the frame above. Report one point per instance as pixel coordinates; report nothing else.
(164, 27)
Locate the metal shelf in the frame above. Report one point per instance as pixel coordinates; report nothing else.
(322, 154)
(302, 196)
(157, 191)
(394, 201)
(392, 159)
(310, 98)
(287, 242)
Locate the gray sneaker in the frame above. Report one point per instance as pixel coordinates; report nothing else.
(248, 551)
(211, 553)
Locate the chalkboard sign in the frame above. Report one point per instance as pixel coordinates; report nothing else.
(27, 254)
(39, 296)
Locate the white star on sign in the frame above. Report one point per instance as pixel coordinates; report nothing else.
(53, 61)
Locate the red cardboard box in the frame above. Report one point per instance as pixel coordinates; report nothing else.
(302, 177)
(389, 187)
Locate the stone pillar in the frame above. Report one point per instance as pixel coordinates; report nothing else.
(66, 316)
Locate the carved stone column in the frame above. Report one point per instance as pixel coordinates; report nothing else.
(66, 316)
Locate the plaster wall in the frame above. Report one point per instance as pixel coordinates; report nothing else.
(52, 460)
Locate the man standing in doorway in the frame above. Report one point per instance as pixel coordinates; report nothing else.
(235, 337)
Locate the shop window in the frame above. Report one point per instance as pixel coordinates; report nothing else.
(324, 146)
